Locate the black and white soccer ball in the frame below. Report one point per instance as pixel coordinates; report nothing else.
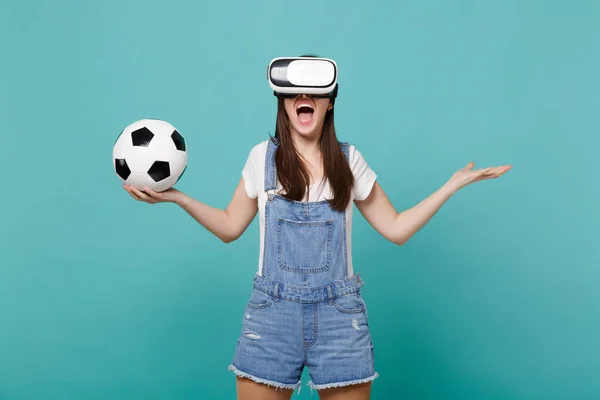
(150, 153)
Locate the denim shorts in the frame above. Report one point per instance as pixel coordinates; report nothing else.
(281, 336)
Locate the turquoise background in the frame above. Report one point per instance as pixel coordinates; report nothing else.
(102, 297)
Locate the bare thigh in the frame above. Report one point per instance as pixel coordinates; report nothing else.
(250, 390)
(353, 392)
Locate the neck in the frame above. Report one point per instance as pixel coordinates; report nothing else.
(307, 146)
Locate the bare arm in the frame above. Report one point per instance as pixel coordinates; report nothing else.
(400, 227)
(228, 224)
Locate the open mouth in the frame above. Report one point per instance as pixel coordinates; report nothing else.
(305, 113)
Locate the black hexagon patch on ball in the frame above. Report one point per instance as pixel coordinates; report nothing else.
(122, 168)
(178, 140)
(159, 170)
(141, 137)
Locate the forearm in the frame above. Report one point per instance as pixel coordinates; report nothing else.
(400, 227)
(410, 221)
(213, 219)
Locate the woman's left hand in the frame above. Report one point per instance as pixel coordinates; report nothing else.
(467, 175)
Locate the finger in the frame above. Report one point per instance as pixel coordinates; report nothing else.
(143, 196)
(131, 193)
(493, 173)
(485, 171)
(128, 190)
(151, 193)
(496, 172)
(481, 174)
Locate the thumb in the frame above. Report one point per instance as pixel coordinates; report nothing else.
(469, 166)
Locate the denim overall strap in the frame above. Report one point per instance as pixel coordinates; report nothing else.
(346, 149)
(270, 183)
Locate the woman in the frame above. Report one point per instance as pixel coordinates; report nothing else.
(306, 308)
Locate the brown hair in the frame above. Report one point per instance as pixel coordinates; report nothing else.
(292, 171)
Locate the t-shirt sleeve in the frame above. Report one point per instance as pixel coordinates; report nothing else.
(364, 176)
(252, 171)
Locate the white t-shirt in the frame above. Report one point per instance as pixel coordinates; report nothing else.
(254, 172)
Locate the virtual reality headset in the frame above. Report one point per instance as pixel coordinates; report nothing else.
(293, 76)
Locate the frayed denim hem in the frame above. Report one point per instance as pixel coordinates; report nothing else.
(267, 382)
(342, 384)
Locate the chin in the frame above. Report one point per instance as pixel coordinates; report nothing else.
(307, 131)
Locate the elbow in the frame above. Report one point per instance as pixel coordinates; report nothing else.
(394, 234)
(229, 237)
(398, 240)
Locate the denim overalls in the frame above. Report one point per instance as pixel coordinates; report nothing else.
(304, 309)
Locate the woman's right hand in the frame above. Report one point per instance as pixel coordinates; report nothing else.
(171, 195)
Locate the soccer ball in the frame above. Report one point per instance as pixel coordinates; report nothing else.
(150, 153)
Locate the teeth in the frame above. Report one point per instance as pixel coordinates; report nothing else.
(304, 105)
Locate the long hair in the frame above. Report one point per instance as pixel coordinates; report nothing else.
(291, 168)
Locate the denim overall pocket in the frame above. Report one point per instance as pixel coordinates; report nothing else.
(304, 246)
(351, 307)
(259, 300)
(256, 315)
(350, 304)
